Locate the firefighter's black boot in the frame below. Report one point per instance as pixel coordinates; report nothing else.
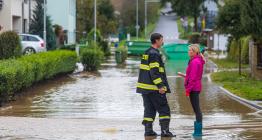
(149, 130)
(165, 129)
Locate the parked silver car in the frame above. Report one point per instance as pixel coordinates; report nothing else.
(32, 44)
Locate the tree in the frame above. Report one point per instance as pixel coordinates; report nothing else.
(129, 8)
(84, 18)
(37, 25)
(106, 8)
(228, 22)
(251, 13)
(188, 8)
(106, 21)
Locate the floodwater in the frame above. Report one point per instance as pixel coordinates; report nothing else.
(104, 105)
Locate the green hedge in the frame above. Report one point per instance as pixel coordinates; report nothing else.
(71, 47)
(233, 53)
(121, 54)
(10, 45)
(16, 74)
(105, 48)
(194, 38)
(91, 57)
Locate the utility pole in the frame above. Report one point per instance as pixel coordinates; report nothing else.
(137, 26)
(23, 16)
(29, 19)
(45, 23)
(145, 18)
(95, 21)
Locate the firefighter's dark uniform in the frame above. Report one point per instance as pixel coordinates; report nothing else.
(152, 77)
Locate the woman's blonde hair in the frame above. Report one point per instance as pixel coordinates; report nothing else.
(195, 48)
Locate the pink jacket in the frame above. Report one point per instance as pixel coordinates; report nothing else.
(194, 74)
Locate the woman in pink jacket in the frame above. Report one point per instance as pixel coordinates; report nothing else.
(193, 84)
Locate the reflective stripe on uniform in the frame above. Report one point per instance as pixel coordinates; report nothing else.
(157, 81)
(144, 67)
(154, 65)
(145, 57)
(161, 69)
(149, 119)
(164, 117)
(148, 86)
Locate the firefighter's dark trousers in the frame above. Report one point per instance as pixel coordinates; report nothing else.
(155, 102)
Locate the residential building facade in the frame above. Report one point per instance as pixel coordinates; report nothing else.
(14, 15)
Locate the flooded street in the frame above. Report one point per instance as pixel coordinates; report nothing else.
(105, 106)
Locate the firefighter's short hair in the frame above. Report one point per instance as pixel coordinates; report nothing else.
(155, 36)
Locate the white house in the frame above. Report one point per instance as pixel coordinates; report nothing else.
(14, 15)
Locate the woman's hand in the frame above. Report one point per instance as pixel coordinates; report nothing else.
(203, 57)
(181, 74)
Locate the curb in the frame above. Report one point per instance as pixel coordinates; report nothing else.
(243, 101)
(246, 102)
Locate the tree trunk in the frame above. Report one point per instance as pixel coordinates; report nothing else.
(239, 45)
(195, 22)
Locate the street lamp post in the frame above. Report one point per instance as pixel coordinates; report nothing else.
(137, 26)
(45, 23)
(145, 17)
(29, 13)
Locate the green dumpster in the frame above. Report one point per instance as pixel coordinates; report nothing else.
(177, 51)
(118, 57)
(137, 47)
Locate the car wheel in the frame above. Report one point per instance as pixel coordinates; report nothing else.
(29, 51)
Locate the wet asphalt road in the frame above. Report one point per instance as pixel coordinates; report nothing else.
(104, 106)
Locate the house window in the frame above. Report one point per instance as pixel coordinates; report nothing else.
(1, 4)
(259, 56)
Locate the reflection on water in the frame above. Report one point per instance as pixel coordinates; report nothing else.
(111, 94)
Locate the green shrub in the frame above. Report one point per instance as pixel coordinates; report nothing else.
(91, 57)
(91, 36)
(121, 53)
(203, 40)
(194, 38)
(83, 41)
(233, 53)
(245, 49)
(105, 48)
(10, 45)
(16, 74)
(70, 47)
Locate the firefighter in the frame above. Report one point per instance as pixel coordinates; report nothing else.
(153, 85)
